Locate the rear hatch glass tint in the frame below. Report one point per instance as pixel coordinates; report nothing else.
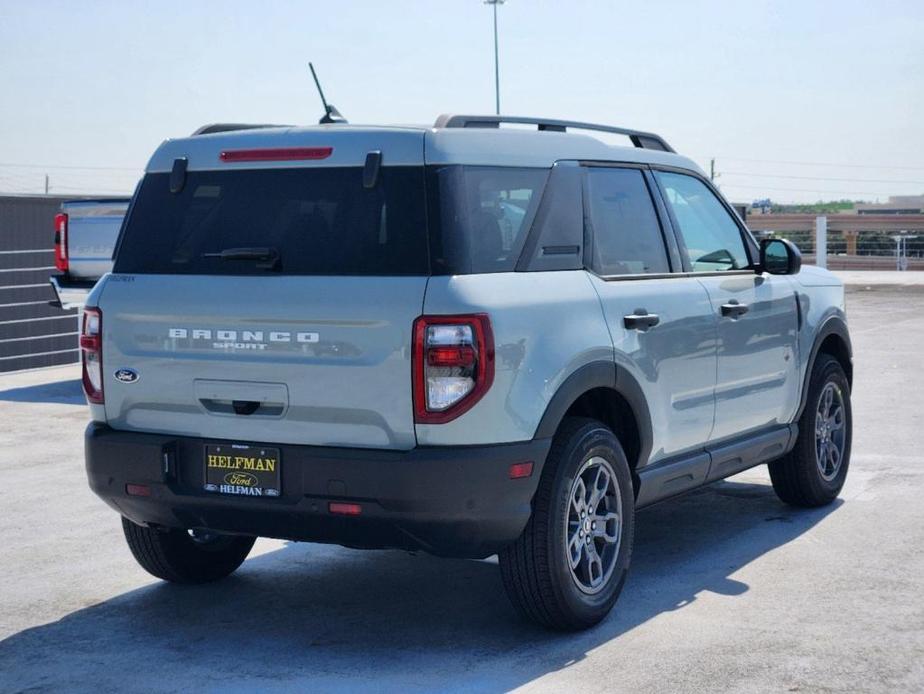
(318, 221)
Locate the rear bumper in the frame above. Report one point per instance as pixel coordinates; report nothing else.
(70, 293)
(454, 501)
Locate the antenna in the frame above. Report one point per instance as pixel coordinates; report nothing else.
(331, 114)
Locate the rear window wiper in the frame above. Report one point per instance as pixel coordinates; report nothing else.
(267, 256)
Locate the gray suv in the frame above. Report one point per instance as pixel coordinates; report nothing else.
(468, 339)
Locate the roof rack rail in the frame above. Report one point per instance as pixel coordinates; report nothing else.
(639, 138)
(228, 127)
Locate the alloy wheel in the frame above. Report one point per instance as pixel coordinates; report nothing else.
(830, 431)
(593, 528)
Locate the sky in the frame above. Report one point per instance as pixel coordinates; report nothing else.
(796, 100)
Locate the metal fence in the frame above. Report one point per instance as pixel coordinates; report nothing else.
(851, 242)
(32, 332)
(872, 250)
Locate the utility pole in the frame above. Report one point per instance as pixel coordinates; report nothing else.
(46, 184)
(712, 169)
(494, 4)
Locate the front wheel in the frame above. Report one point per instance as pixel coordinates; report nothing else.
(568, 567)
(813, 473)
(186, 556)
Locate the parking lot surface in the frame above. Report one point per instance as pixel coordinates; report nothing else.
(729, 590)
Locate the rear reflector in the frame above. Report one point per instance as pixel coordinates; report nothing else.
(90, 342)
(276, 154)
(344, 509)
(521, 470)
(137, 490)
(462, 355)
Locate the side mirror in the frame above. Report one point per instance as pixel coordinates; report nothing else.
(779, 257)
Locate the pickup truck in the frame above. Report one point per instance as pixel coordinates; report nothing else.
(85, 237)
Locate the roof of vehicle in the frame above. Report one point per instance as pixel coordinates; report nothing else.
(477, 141)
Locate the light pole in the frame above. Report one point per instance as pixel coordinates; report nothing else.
(901, 249)
(495, 3)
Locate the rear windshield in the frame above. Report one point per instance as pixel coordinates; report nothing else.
(323, 221)
(318, 221)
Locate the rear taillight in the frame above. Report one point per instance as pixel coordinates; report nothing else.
(453, 365)
(61, 241)
(91, 353)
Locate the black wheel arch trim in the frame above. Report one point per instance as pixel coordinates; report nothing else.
(833, 325)
(599, 374)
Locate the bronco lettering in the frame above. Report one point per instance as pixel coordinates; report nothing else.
(244, 336)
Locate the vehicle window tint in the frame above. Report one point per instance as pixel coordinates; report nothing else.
(318, 221)
(626, 233)
(481, 216)
(710, 235)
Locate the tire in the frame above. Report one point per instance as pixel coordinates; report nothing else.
(179, 557)
(537, 567)
(808, 476)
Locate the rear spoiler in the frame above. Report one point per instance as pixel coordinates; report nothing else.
(228, 127)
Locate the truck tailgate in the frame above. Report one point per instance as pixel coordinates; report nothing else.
(92, 230)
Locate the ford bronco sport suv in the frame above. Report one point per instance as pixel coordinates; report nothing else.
(466, 339)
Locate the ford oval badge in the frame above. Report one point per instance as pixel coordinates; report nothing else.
(126, 375)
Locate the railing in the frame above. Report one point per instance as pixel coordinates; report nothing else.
(850, 242)
(32, 332)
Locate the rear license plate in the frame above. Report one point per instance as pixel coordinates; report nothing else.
(242, 470)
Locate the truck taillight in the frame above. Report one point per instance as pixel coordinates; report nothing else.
(61, 241)
(91, 354)
(453, 365)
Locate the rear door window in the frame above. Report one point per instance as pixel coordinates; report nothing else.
(710, 237)
(320, 221)
(623, 225)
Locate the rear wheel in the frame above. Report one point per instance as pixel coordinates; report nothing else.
(186, 556)
(813, 473)
(568, 567)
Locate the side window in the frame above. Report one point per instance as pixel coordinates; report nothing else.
(626, 234)
(711, 238)
(480, 216)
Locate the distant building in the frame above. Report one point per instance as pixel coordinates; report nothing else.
(897, 204)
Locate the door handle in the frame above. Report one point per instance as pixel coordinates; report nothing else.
(641, 320)
(734, 310)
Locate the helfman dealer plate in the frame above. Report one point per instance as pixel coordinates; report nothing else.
(242, 470)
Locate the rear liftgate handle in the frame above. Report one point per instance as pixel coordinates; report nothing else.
(641, 320)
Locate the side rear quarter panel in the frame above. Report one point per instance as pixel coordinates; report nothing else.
(546, 326)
